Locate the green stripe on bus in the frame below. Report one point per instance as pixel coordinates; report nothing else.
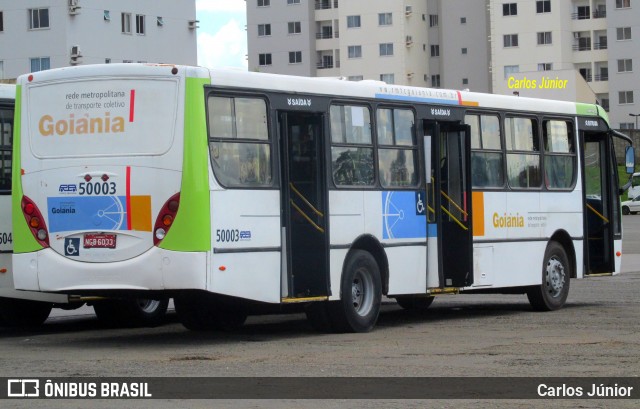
(23, 240)
(191, 230)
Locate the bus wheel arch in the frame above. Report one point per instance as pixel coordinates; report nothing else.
(360, 294)
(371, 245)
(553, 290)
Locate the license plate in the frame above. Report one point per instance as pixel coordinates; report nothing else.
(99, 241)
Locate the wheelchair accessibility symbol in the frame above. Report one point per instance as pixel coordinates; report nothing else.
(71, 247)
(420, 206)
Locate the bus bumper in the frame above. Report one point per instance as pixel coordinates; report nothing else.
(156, 269)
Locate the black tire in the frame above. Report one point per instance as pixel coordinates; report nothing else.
(360, 295)
(625, 210)
(556, 278)
(132, 312)
(19, 313)
(202, 312)
(415, 303)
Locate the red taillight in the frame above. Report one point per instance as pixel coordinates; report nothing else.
(35, 221)
(165, 218)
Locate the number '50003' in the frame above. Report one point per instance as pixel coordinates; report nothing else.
(97, 188)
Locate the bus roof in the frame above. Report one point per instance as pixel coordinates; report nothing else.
(324, 86)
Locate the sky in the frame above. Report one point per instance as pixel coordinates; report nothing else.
(222, 38)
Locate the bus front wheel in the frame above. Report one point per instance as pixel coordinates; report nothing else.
(360, 295)
(556, 275)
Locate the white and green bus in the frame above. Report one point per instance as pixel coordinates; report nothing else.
(231, 191)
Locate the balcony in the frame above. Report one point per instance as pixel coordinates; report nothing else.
(582, 47)
(325, 65)
(327, 35)
(601, 77)
(602, 45)
(324, 5)
(600, 13)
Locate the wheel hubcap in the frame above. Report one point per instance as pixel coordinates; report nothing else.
(148, 306)
(362, 293)
(555, 277)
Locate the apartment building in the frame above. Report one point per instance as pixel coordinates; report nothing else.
(579, 50)
(401, 42)
(37, 35)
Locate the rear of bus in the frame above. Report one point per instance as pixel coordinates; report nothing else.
(98, 180)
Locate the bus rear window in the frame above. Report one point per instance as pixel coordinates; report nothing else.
(102, 117)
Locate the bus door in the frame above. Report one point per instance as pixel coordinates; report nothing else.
(602, 210)
(304, 197)
(451, 193)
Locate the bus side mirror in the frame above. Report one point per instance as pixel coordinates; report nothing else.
(630, 160)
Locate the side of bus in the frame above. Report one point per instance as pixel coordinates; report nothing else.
(236, 191)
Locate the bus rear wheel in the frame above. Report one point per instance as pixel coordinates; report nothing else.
(556, 275)
(202, 312)
(19, 313)
(360, 295)
(132, 312)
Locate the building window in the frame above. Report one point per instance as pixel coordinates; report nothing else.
(355, 77)
(435, 50)
(38, 18)
(435, 81)
(354, 51)
(465, 81)
(386, 49)
(464, 51)
(127, 61)
(623, 33)
(510, 40)
(625, 97)
(1, 22)
(384, 19)
(126, 23)
(545, 66)
(463, 20)
(293, 1)
(623, 4)
(625, 65)
(544, 38)
(510, 70)
(295, 57)
(264, 3)
(264, 30)
(433, 20)
(1, 70)
(294, 27)
(543, 6)
(510, 9)
(106, 15)
(264, 59)
(388, 78)
(140, 24)
(397, 148)
(107, 60)
(353, 21)
(40, 64)
(627, 125)
(159, 21)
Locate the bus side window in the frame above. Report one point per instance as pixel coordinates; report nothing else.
(397, 148)
(352, 147)
(6, 117)
(239, 141)
(486, 151)
(560, 156)
(523, 153)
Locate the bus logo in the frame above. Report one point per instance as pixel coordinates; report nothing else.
(23, 388)
(71, 188)
(299, 102)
